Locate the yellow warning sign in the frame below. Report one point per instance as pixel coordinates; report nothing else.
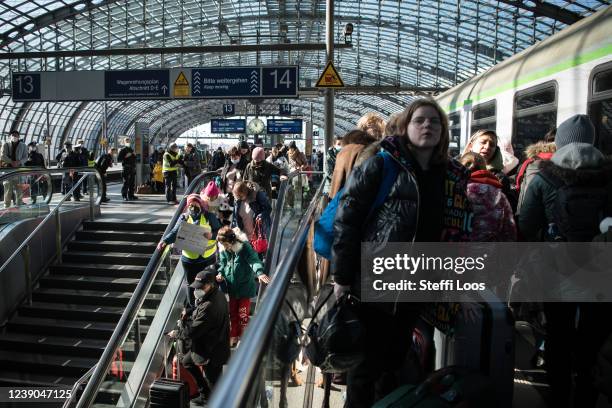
(330, 78)
(181, 86)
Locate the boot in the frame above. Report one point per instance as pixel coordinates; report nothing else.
(202, 400)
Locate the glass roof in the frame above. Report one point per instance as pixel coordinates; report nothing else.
(419, 43)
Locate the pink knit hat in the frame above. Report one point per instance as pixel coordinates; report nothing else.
(194, 198)
(211, 190)
(259, 154)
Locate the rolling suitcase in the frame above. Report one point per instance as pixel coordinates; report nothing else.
(168, 393)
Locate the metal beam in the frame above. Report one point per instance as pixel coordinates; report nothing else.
(378, 89)
(50, 18)
(71, 122)
(544, 9)
(210, 49)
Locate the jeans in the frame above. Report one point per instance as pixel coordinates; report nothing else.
(170, 179)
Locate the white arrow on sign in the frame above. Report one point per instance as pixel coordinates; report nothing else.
(164, 89)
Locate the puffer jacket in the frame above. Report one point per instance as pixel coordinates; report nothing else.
(397, 219)
(496, 166)
(493, 219)
(208, 329)
(261, 173)
(239, 267)
(537, 154)
(575, 164)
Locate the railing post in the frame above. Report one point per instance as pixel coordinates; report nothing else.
(28, 272)
(137, 342)
(91, 197)
(58, 236)
(298, 191)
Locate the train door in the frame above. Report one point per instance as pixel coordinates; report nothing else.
(535, 113)
(454, 128)
(600, 106)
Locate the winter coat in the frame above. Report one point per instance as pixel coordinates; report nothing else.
(208, 329)
(260, 205)
(332, 155)
(493, 219)
(297, 159)
(21, 153)
(536, 154)
(35, 159)
(538, 208)
(261, 173)
(127, 162)
(68, 159)
(104, 162)
(496, 166)
(397, 219)
(212, 219)
(193, 167)
(345, 161)
(239, 267)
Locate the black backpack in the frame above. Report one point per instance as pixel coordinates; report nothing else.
(578, 209)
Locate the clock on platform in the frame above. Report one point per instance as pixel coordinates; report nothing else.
(256, 126)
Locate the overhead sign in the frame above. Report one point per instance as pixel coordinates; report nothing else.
(181, 86)
(229, 109)
(330, 78)
(136, 84)
(284, 109)
(227, 125)
(285, 126)
(194, 83)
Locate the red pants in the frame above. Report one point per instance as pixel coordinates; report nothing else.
(239, 315)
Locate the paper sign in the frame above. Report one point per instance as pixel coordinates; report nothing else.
(191, 237)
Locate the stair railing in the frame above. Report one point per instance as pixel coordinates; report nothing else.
(24, 248)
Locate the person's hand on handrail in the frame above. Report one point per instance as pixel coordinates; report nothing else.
(161, 245)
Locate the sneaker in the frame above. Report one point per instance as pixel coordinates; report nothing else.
(201, 400)
(125, 199)
(77, 198)
(105, 200)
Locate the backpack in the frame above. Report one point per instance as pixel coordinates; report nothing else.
(578, 209)
(324, 227)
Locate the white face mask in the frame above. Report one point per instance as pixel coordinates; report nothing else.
(235, 161)
(199, 293)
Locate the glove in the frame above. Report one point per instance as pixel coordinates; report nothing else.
(340, 290)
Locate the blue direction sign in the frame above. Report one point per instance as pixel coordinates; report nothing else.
(223, 82)
(227, 125)
(26, 86)
(137, 84)
(284, 126)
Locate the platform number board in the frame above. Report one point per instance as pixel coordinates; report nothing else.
(26, 86)
(284, 109)
(229, 109)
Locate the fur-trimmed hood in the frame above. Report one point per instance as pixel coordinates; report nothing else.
(535, 150)
(237, 246)
(580, 163)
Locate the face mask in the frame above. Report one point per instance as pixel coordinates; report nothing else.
(32, 149)
(199, 293)
(338, 148)
(14, 139)
(235, 161)
(195, 212)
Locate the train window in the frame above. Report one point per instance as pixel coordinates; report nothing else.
(484, 116)
(600, 107)
(454, 127)
(535, 113)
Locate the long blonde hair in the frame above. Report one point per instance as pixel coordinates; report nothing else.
(479, 133)
(440, 152)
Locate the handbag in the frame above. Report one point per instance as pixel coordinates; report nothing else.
(258, 239)
(336, 343)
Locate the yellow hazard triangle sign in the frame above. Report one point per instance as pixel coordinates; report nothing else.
(330, 78)
(181, 85)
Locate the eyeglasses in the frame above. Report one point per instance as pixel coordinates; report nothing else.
(420, 121)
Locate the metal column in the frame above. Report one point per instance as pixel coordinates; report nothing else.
(329, 93)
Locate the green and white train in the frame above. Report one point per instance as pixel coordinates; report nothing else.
(525, 96)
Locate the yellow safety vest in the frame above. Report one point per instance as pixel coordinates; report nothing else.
(91, 163)
(211, 245)
(166, 166)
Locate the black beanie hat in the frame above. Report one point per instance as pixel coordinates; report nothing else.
(577, 129)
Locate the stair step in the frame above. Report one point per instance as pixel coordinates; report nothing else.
(149, 236)
(110, 392)
(61, 327)
(65, 311)
(97, 283)
(91, 297)
(110, 246)
(46, 363)
(9, 378)
(113, 258)
(114, 271)
(122, 226)
(57, 345)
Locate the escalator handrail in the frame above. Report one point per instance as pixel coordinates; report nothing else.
(50, 215)
(136, 301)
(240, 376)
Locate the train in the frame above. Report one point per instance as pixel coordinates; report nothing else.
(529, 94)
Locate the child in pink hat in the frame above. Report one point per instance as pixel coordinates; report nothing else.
(211, 195)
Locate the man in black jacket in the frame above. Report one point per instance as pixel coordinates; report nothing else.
(218, 160)
(102, 164)
(38, 183)
(208, 332)
(65, 159)
(128, 158)
(261, 171)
